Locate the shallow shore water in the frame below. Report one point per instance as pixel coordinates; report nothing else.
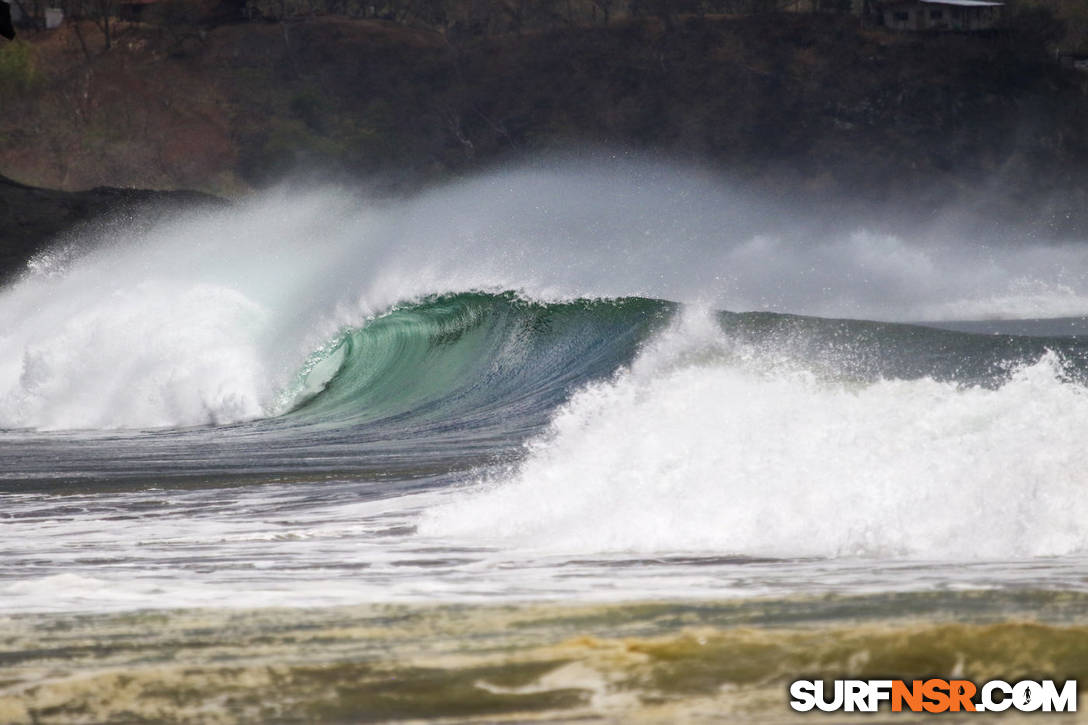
(632, 662)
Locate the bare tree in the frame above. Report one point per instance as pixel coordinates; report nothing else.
(100, 12)
(33, 11)
(103, 12)
(605, 6)
(524, 15)
(661, 9)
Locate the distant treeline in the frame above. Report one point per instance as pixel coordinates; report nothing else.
(486, 17)
(456, 18)
(1064, 23)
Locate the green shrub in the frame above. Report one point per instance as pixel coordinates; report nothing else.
(17, 69)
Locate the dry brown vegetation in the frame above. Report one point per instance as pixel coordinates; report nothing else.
(809, 103)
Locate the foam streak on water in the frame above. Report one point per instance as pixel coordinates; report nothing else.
(278, 546)
(523, 386)
(707, 467)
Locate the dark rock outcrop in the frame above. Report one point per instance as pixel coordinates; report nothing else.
(31, 217)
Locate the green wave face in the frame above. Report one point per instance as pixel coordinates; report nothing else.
(486, 366)
(450, 382)
(456, 359)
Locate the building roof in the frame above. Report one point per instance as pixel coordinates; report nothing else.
(957, 3)
(965, 3)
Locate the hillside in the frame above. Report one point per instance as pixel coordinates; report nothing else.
(30, 216)
(811, 106)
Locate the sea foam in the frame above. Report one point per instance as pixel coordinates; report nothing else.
(707, 445)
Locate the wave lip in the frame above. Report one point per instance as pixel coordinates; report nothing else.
(464, 361)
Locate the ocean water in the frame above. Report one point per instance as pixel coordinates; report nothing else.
(543, 389)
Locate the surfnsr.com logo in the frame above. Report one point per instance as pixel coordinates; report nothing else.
(933, 695)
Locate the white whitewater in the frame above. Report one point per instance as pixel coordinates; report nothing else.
(708, 446)
(204, 319)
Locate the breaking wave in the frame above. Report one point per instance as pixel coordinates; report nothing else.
(578, 308)
(208, 318)
(710, 444)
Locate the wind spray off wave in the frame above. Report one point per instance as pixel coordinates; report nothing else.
(209, 318)
(707, 444)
